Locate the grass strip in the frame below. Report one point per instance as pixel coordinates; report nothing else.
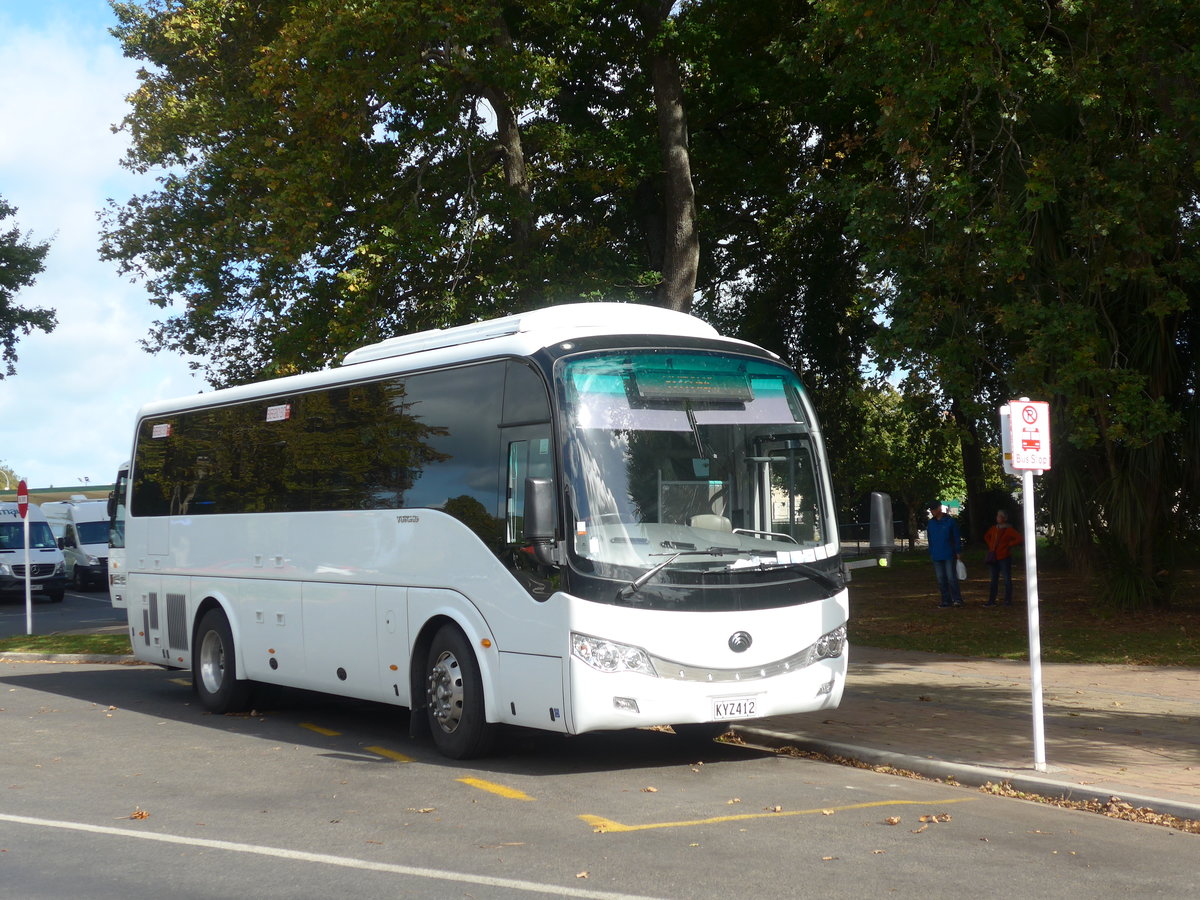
(87, 644)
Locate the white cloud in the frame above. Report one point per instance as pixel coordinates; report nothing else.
(68, 413)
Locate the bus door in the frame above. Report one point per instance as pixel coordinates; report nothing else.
(786, 502)
(527, 454)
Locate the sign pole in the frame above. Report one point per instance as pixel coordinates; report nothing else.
(1025, 445)
(1035, 629)
(23, 509)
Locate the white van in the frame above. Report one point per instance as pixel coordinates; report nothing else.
(81, 526)
(48, 571)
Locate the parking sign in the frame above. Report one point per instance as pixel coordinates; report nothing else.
(1029, 425)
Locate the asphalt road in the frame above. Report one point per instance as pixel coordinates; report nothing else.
(118, 785)
(79, 610)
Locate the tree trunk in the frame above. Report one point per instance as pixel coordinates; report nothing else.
(681, 243)
(972, 456)
(516, 176)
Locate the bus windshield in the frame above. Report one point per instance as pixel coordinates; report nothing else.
(712, 457)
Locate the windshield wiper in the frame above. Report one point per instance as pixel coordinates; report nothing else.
(811, 572)
(636, 585)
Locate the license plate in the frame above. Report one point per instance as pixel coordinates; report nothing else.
(735, 708)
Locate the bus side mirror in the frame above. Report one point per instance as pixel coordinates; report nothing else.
(540, 519)
(882, 535)
(112, 504)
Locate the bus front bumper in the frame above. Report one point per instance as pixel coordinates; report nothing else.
(616, 700)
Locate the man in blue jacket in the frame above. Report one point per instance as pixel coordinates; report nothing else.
(945, 542)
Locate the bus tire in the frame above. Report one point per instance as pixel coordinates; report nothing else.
(214, 672)
(56, 596)
(454, 697)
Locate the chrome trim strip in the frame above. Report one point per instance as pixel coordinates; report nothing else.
(677, 671)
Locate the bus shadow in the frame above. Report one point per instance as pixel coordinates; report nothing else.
(354, 729)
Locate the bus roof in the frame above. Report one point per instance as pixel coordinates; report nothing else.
(550, 325)
(518, 335)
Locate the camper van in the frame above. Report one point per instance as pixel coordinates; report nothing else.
(81, 526)
(47, 573)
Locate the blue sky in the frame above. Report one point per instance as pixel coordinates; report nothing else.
(68, 413)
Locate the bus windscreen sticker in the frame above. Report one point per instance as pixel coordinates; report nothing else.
(161, 430)
(279, 413)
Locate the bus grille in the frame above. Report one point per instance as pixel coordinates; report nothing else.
(177, 633)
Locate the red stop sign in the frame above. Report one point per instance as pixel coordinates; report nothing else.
(22, 498)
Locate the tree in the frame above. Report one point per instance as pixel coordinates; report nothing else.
(908, 448)
(338, 173)
(1027, 189)
(21, 261)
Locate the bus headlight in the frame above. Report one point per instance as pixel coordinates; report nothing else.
(609, 656)
(60, 569)
(5, 570)
(832, 644)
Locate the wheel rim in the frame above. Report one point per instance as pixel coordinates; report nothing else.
(212, 662)
(445, 692)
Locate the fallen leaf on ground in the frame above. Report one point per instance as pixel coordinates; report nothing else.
(892, 820)
(649, 790)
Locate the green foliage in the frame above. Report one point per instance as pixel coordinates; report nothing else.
(1028, 186)
(339, 173)
(908, 447)
(21, 261)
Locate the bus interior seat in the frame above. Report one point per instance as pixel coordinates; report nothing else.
(711, 522)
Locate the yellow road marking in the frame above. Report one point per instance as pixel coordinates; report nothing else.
(493, 788)
(186, 682)
(602, 825)
(319, 730)
(390, 754)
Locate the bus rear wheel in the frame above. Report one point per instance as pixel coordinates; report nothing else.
(214, 674)
(454, 697)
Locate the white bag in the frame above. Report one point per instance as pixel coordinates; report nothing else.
(962, 571)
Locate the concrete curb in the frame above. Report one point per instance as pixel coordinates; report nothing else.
(103, 658)
(972, 775)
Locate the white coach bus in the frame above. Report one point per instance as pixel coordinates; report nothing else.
(592, 516)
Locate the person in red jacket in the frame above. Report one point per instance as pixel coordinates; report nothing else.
(1000, 540)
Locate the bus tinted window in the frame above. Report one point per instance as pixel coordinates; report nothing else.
(423, 440)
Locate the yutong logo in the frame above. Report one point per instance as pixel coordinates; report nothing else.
(408, 520)
(739, 642)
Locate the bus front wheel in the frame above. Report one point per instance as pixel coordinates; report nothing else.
(214, 674)
(454, 697)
